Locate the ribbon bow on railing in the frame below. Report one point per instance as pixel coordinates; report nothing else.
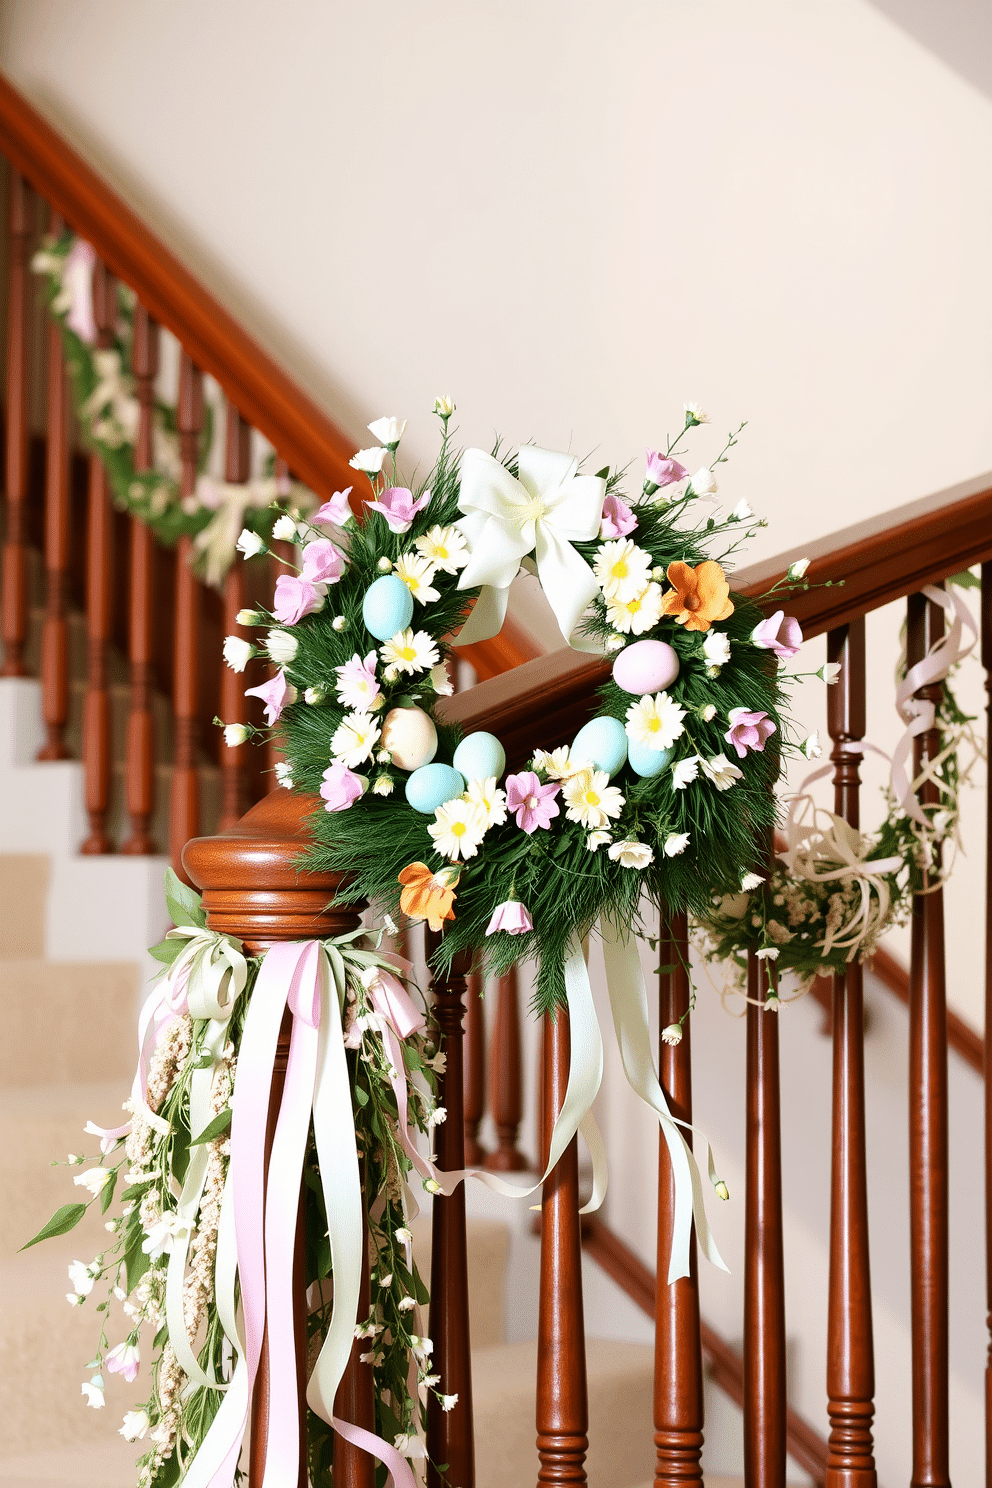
(542, 512)
(113, 392)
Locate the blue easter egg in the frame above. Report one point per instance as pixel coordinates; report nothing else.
(646, 761)
(480, 755)
(603, 742)
(387, 607)
(432, 785)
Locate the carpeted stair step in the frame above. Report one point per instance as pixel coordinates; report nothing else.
(66, 1021)
(23, 895)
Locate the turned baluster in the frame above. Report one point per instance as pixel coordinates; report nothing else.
(475, 1068)
(928, 1117)
(55, 630)
(233, 709)
(764, 1283)
(140, 747)
(14, 590)
(562, 1400)
(450, 1434)
(987, 664)
(678, 1360)
(850, 1349)
(506, 1078)
(253, 889)
(97, 734)
(184, 812)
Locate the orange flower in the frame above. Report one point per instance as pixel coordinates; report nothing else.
(426, 895)
(698, 595)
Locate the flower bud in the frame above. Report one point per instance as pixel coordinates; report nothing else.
(249, 617)
(285, 528)
(338, 623)
(250, 544)
(721, 1190)
(234, 734)
(672, 1034)
(384, 565)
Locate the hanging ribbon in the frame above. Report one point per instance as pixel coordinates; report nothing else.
(114, 392)
(543, 512)
(75, 297)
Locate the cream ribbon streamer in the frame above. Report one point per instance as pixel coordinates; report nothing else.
(114, 392)
(543, 512)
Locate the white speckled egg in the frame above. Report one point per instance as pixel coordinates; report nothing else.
(480, 755)
(432, 785)
(410, 737)
(387, 607)
(647, 761)
(603, 742)
(646, 666)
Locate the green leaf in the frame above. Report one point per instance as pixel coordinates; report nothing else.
(167, 950)
(666, 970)
(107, 1192)
(183, 903)
(965, 580)
(61, 1222)
(603, 474)
(214, 1128)
(361, 1095)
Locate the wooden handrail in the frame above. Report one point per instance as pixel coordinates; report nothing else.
(726, 1367)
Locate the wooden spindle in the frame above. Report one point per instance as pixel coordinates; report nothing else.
(987, 664)
(14, 599)
(928, 1232)
(97, 731)
(506, 1078)
(233, 709)
(475, 1069)
(450, 1434)
(562, 1399)
(184, 812)
(140, 746)
(764, 1282)
(850, 1347)
(55, 630)
(678, 1359)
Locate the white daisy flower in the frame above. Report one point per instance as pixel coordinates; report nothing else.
(559, 764)
(722, 773)
(369, 461)
(716, 648)
(751, 881)
(635, 615)
(685, 772)
(388, 431)
(631, 854)
(489, 798)
(655, 721)
(676, 843)
(382, 785)
(697, 414)
(596, 840)
(354, 739)
(591, 800)
(458, 828)
(410, 651)
(622, 569)
(444, 547)
(417, 573)
(767, 953)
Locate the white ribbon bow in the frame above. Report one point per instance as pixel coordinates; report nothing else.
(543, 512)
(111, 409)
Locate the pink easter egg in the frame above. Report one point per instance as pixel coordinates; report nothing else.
(646, 666)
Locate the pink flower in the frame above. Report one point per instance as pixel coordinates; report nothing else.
(748, 730)
(341, 788)
(276, 694)
(662, 471)
(533, 803)
(357, 686)
(618, 519)
(295, 598)
(398, 507)
(779, 633)
(512, 917)
(336, 512)
(77, 279)
(124, 1359)
(322, 563)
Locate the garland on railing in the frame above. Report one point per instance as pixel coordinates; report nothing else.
(108, 413)
(834, 890)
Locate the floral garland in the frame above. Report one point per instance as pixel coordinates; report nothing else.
(108, 412)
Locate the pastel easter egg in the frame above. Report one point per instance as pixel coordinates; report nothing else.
(432, 785)
(603, 742)
(480, 755)
(410, 737)
(387, 607)
(646, 666)
(646, 761)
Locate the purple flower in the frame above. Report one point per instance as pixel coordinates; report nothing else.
(748, 730)
(779, 633)
(336, 512)
(296, 597)
(398, 507)
(618, 519)
(661, 470)
(341, 787)
(512, 917)
(322, 563)
(276, 694)
(533, 803)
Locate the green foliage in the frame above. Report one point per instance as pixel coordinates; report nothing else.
(183, 903)
(61, 1222)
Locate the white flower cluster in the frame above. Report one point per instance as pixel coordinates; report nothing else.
(633, 598)
(460, 825)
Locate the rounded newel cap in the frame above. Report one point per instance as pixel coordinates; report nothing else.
(250, 879)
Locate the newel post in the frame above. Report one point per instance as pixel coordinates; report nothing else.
(253, 888)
